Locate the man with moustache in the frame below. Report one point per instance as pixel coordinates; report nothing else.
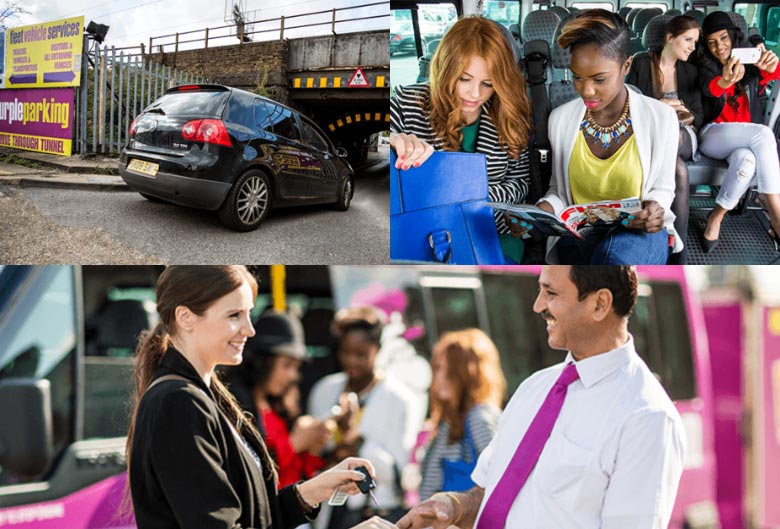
(591, 443)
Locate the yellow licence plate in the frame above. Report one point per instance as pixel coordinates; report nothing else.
(140, 166)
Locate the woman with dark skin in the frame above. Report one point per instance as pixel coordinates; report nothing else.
(375, 419)
(734, 129)
(664, 74)
(611, 144)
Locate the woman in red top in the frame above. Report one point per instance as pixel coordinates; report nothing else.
(264, 382)
(734, 131)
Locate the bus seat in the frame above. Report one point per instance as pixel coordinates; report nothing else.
(559, 10)
(739, 21)
(514, 29)
(673, 12)
(638, 27)
(574, 10)
(706, 171)
(697, 15)
(561, 89)
(632, 15)
(654, 31)
(540, 25)
(624, 11)
(560, 73)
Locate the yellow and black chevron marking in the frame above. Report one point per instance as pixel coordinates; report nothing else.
(358, 118)
(331, 81)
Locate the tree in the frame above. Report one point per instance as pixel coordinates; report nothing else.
(10, 10)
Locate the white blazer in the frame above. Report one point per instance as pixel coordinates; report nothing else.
(657, 132)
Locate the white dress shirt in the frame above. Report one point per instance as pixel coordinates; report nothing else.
(614, 457)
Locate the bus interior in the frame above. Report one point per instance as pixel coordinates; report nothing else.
(417, 26)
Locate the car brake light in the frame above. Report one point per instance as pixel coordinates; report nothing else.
(132, 126)
(188, 87)
(206, 131)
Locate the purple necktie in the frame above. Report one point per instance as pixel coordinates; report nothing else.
(527, 454)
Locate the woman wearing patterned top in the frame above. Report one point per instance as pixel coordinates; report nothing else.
(466, 395)
(475, 102)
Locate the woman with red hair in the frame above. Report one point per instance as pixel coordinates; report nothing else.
(466, 396)
(475, 101)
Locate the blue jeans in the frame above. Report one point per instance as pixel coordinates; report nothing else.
(617, 246)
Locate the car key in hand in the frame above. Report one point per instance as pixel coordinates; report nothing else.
(368, 485)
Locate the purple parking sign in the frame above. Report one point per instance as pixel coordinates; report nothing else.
(37, 119)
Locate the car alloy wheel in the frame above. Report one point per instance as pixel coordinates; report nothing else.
(248, 201)
(252, 200)
(345, 196)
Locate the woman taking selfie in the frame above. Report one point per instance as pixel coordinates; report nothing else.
(733, 129)
(194, 459)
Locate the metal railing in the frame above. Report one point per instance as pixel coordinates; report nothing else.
(114, 90)
(268, 28)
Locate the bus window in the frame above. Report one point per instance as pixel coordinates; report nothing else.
(38, 340)
(660, 329)
(593, 5)
(773, 28)
(503, 12)
(455, 308)
(519, 333)
(662, 7)
(433, 20)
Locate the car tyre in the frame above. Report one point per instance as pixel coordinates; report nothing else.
(247, 203)
(346, 193)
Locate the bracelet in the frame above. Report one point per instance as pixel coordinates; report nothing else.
(455, 500)
(303, 503)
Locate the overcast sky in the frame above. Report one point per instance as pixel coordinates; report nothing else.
(134, 21)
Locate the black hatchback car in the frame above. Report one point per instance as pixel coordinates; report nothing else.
(220, 148)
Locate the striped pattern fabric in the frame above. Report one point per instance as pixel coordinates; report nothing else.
(482, 420)
(508, 178)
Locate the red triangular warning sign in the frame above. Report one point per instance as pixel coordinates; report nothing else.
(358, 79)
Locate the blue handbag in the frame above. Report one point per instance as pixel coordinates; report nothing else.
(438, 212)
(457, 472)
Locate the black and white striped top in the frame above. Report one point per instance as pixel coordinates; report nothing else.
(507, 178)
(482, 420)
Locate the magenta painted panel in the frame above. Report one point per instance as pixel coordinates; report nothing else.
(769, 413)
(95, 507)
(44, 112)
(724, 329)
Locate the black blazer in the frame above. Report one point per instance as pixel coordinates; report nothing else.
(188, 469)
(640, 75)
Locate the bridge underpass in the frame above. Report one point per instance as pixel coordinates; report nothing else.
(343, 83)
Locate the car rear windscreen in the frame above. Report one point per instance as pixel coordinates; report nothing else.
(191, 103)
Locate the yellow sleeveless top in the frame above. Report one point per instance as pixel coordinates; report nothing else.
(592, 179)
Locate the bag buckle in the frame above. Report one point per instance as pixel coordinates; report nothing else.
(441, 249)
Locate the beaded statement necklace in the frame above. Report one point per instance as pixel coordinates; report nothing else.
(606, 135)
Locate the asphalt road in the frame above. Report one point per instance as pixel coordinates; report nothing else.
(178, 235)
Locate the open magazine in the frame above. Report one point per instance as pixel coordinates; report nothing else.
(575, 221)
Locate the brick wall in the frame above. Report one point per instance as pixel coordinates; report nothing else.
(238, 65)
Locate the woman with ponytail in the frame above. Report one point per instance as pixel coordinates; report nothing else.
(194, 458)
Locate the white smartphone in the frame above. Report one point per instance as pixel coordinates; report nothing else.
(746, 55)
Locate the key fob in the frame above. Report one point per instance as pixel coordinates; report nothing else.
(368, 484)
